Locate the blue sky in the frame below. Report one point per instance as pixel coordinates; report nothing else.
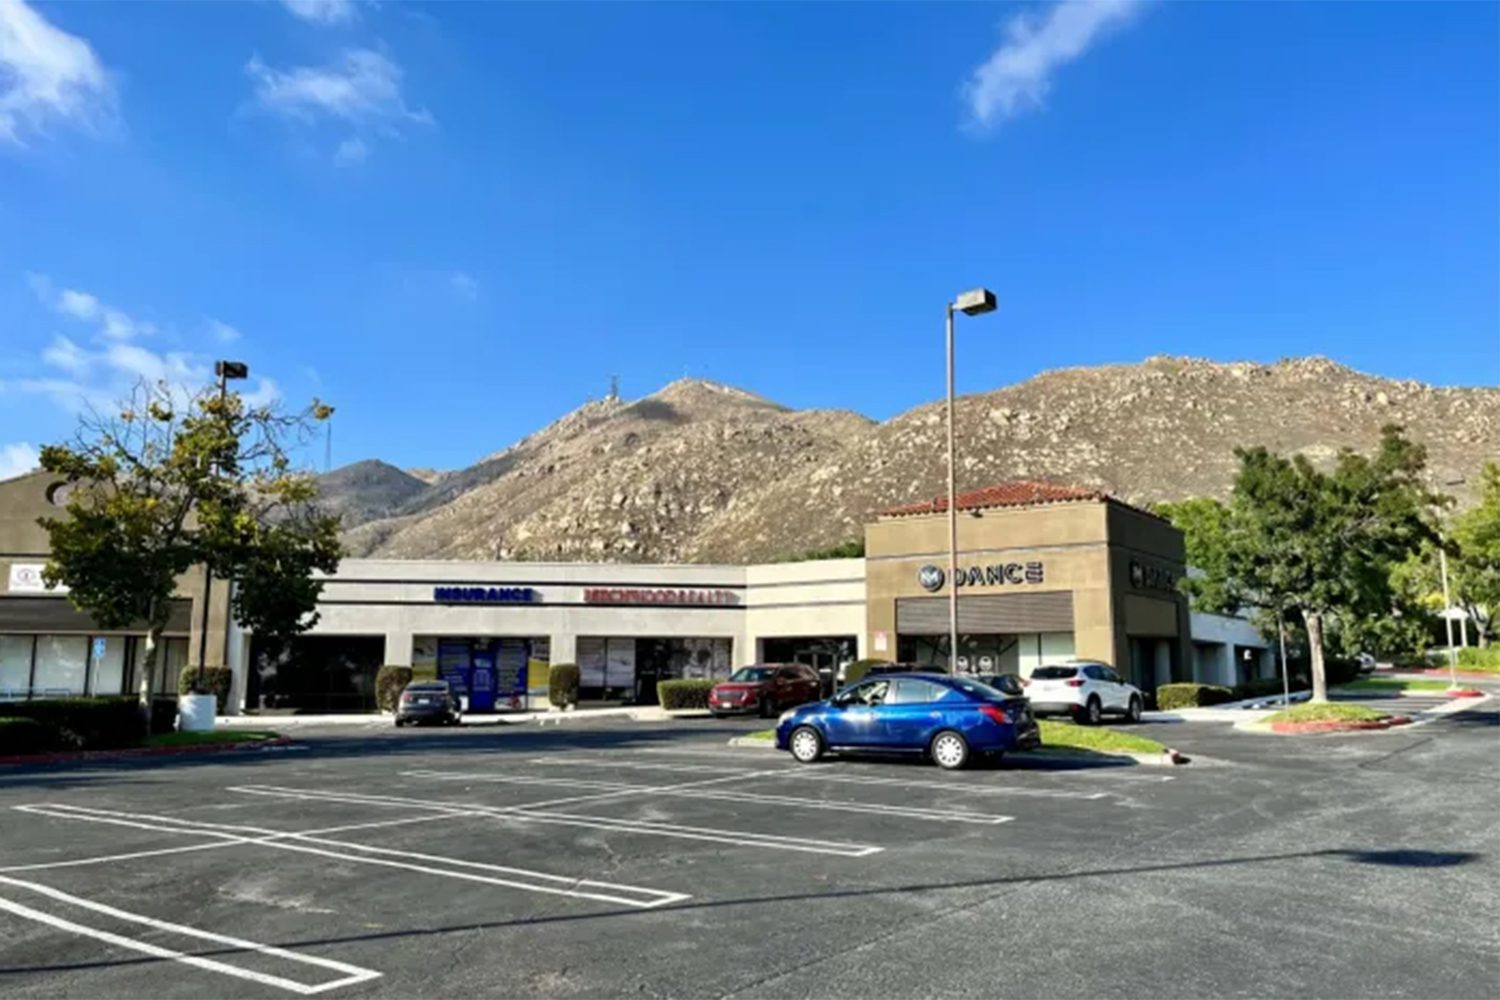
(456, 221)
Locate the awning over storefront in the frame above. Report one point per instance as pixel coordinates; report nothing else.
(987, 614)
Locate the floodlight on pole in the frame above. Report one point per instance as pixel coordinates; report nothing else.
(974, 302)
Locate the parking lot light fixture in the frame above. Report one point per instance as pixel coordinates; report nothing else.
(226, 371)
(974, 302)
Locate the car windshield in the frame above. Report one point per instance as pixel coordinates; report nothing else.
(1053, 673)
(749, 675)
(437, 688)
(976, 689)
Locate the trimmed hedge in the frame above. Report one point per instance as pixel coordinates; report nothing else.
(562, 684)
(1263, 687)
(85, 723)
(216, 681)
(389, 681)
(19, 736)
(1170, 696)
(684, 693)
(1472, 656)
(855, 672)
(163, 715)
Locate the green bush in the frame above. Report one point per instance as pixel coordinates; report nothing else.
(1262, 687)
(1487, 658)
(679, 694)
(163, 715)
(18, 736)
(85, 723)
(855, 672)
(562, 684)
(1338, 670)
(389, 682)
(216, 681)
(1170, 696)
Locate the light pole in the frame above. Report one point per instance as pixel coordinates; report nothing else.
(225, 370)
(1448, 602)
(970, 303)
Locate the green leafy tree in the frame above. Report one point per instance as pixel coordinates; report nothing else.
(174, 482)
(1323, 544)
(1204, 523)
(1475, 546)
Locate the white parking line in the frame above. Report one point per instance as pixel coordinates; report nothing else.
(351, 974)
(533, 814)
(456, 868)
(821, 774)
(905, 812)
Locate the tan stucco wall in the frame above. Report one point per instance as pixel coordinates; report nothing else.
(1085, 548)
(23, 501)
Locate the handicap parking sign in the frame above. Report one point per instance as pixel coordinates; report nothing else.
(99, 647)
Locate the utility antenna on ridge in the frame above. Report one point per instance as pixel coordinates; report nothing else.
(614, 387)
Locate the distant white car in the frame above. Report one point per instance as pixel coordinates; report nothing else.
(1085, 690)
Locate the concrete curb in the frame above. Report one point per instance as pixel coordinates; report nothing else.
(1338, 726)
(748, 743)
(129, 752)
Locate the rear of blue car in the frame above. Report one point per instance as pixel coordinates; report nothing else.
(949, 718)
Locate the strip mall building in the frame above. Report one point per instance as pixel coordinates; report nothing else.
(1044, 573)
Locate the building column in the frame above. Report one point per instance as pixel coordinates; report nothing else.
(397, 649)
(564, 648)
(237, 658)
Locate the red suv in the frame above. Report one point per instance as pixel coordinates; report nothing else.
(766, 688)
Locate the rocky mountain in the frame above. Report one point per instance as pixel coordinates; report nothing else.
(705, 472)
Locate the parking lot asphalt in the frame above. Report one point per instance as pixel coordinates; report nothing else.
(611, 858)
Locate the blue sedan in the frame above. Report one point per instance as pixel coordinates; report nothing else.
(948, 718)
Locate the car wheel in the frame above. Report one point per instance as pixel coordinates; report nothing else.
(400, 722)
(1092, 712)
(806, 744)
(949, 750)
(1133, 713)
(767, 708)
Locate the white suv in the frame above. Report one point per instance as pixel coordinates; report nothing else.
(1084, 690)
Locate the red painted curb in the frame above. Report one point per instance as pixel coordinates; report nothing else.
(1338, 726)
(1465, 693)
(54, 758)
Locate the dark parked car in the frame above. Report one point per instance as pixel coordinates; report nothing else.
(429, 701)
(950, 719)
(766, 689)
(1004, 683)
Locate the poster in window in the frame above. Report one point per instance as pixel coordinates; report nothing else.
(619, 670)
(590, 663)
(511, 656)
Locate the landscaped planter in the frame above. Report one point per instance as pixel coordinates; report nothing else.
(1338, 725)
(195, 712)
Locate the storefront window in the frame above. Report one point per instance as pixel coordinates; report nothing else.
(61, 664)
(108, 666)
(15, 666)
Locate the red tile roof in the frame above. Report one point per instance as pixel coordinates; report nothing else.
(1021, 493)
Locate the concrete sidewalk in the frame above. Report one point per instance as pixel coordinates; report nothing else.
(639, 713)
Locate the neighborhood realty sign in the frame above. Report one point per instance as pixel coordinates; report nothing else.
(659, 595)
(932, 577)
(26, 578)
(483, 595)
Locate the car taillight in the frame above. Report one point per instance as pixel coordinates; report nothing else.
(996, 713)
(1025, 682)
(1074, 683)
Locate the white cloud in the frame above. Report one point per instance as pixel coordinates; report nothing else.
(362, 87)
(76, 376)
(464, 285)
(86, 308)
(17, 459)
(46, 75)
(222, 332)
(322, 11)
(350, 152)
(1017, 75)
